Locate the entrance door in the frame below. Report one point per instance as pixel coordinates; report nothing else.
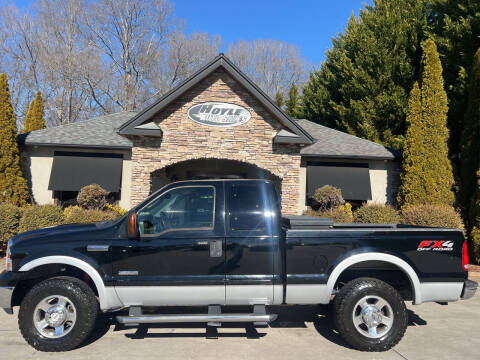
(178, 259)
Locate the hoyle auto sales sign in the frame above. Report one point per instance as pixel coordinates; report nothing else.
(219, 114)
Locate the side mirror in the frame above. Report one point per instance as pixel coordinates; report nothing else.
(132, 230)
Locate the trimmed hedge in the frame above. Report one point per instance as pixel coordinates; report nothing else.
(341, 214)
(40, 216)
(77, 215)
(116, 209)
(431, 215)
(9, 220)
(376, 214)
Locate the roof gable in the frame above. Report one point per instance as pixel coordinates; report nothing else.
(133, 126)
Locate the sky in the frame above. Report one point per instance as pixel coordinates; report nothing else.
(309, 24)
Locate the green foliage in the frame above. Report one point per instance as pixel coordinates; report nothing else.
(116, 209)
(455, 27)
(475, 235)
(427, 172)
(279, 99)
(92, 197)
(362, 87)
(340, 214)
(9, 221)
(327, 198)
(13, 186)
(470, 155)
(431, 215)
(77, 215)
(376, 214)
(40, 216)
(35, 119)
(292, 105)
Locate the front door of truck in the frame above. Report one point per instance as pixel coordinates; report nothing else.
(179, 257)
(251, 247)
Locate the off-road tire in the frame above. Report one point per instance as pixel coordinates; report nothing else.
(85, 303)
(345, 301)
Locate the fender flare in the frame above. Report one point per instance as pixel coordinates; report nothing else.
(357, 258)
(107, 296)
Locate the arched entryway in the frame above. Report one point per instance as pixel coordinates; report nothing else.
(202, 169)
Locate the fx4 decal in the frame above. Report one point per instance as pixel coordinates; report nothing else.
(434, 245)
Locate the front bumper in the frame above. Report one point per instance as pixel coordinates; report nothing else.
(469, 289)
(8, 281)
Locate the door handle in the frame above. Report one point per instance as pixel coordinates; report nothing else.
(216, 248)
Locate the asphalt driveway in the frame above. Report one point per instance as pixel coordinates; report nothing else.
(434, 332)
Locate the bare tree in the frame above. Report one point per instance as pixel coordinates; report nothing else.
(130, 33)
(64, 55)
(182, 56)
(20, 57)
(272, 65)
(96, 57)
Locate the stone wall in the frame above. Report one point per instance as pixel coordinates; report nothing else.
(183, 139)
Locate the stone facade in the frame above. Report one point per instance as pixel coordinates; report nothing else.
(184, 139)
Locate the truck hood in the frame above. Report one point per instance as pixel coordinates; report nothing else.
(50, 231)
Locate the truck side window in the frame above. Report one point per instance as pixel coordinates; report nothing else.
(247, 207)
(184, 208)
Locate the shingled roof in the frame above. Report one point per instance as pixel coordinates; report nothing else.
(331, 143)
(99, 132)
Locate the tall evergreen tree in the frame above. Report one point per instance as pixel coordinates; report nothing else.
(455, 27)
(362, 87)
(35, 119)
(292, 105)
(13, 186)
(470, 151)
(427, 172)
(279, 99)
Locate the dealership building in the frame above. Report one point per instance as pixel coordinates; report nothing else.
(216, 124)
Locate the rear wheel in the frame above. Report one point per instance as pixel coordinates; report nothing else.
(370, 315)
(58, 314)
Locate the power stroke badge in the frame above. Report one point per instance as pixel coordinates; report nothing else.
(219, 114)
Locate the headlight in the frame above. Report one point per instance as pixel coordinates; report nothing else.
(8, 259)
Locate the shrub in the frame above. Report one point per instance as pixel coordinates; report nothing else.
(92, 197)
(40, 216)
(328, 197)
(116, 209)
(376, 214)
(77, 215)
(431, 215)
(9, 219)
(475, 235)
(341, 214)
(69, 209)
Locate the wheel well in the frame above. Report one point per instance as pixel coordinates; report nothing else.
(43, 272)
(381, 270)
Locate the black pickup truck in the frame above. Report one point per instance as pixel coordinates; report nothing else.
(224, 242)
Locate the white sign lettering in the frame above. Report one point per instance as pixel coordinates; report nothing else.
(219, 114)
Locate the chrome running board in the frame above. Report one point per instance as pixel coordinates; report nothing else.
(214, 318)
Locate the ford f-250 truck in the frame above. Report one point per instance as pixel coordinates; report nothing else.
(224, 242)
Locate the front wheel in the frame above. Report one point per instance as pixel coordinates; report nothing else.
(58, 314)
(370, 315)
